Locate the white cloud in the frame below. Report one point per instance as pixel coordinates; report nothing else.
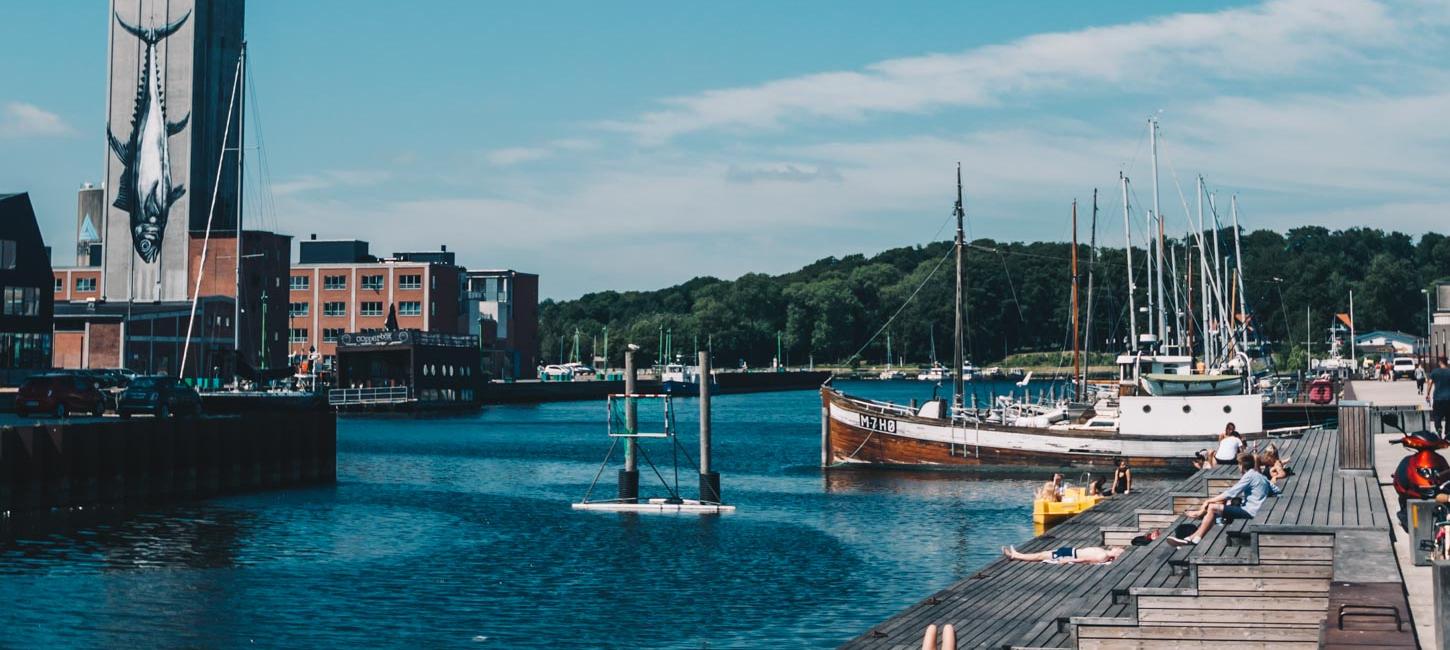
(19, 120)
(1277, 38)
(330, 179)
(510, 156)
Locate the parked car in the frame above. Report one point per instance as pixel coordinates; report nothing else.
(60, 395)
(160, 396)
(1403, 367)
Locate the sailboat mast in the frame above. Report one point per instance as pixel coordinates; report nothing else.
(1076, 363)
(1239, 266)
(1128, 248)
(1158, 216)
(957, 386)
(1088, 313)
(1206, 315)
(237, 304)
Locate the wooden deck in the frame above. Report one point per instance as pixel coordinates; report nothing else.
(1262, 582)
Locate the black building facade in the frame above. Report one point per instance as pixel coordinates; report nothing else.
(27, 302)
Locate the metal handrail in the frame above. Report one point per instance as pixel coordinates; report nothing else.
(377, 395)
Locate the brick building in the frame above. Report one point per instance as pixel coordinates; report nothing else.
(338, 287)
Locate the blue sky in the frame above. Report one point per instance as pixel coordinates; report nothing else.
(636, 145)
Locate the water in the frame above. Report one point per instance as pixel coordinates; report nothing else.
(457, 532)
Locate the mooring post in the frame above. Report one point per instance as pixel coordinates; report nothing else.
(629, 476)
(709, 480)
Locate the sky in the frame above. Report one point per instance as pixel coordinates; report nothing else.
(637, 145)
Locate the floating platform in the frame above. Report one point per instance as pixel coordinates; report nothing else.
(690, 506)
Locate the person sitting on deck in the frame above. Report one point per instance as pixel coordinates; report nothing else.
(1122, 478)
(1253, 487)
(1067, 555)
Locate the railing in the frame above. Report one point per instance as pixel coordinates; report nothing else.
(362, 396)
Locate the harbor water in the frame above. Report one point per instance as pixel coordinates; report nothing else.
(457, 532)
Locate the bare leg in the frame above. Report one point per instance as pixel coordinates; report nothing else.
(1209, 513)
(1014, 554)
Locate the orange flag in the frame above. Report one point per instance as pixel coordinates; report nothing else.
(1344, 318)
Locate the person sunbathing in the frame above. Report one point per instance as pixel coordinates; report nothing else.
(1067, 555)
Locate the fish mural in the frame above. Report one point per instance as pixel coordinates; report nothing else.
(146, 189)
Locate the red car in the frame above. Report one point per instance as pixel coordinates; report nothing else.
(59, 395)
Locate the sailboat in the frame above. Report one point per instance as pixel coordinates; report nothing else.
(937, 372)
(890, 373)
(1151, 431)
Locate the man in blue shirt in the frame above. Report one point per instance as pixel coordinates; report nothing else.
(1253, 487)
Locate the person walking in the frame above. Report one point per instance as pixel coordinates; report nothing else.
(1437, 394)
(1420, 377)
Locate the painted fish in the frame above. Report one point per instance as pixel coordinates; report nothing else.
(146, 190)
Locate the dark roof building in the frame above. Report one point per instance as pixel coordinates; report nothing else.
(26, 300)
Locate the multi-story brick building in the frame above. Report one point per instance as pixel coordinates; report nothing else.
(338, 287)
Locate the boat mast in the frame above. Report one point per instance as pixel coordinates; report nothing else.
(1239, 268)
(1128, 248)
(1158, 216)
(1203, 285)
(237, 304)
(1076, 364)
(957, 387)
(1088, 313)
(211, 212)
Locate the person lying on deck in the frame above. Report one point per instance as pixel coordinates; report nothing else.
(1067, 555)
(1270, 464)
(1252, 487)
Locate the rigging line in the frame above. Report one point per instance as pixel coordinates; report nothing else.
(908, 300)
(268, 200)
(1011, 286)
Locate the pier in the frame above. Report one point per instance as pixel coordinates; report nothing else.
(49, 465)
(1316, 568)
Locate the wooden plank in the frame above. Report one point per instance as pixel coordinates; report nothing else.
(1228, 602)
(1322, 571)
(1308, 553)
(1300, 540)
(1228, 617)
(1174, 633)
(1246, 584)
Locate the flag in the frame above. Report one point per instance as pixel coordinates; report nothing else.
(1344, 318)
(392, 323)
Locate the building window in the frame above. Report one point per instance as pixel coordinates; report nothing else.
(298, 335)
(433, 281)
(370, 309)
(432, 308)
(85, 284)
(334, 308)
(410, 282)
(59, 285)
(334, 282)
(301, 282)
(22, 350)
(374, 282)
(298, 309)
(410, 308)
(7, 253)
(22, 301)
(331, 334)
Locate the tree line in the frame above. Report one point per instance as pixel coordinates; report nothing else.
(1017, 300)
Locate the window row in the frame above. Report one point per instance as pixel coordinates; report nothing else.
(83, 285)
(22, 301)
(365, 308)
(374, 282)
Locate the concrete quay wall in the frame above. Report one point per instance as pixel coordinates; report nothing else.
(81, 463)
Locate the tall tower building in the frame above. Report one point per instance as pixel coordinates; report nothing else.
(90, 213)
(171, 74)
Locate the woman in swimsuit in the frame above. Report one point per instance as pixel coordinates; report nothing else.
(1122, 478)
